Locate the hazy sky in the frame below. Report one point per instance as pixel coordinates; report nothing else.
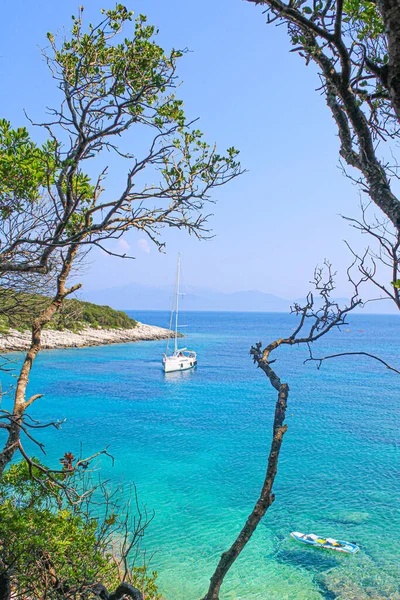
(277, 221)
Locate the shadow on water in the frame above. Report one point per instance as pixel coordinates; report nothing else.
(337, 577)
(325, 593)
(312, 559)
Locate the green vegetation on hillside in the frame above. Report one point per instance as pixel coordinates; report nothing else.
(18, 309)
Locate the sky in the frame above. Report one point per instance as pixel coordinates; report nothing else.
(276, 222)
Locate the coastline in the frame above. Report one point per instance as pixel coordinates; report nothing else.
(16, 341)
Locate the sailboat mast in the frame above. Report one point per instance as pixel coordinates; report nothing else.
(171, 316)
(178, 275)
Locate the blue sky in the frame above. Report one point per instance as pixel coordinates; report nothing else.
(277, 221)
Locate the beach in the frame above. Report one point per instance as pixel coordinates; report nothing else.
(16, 341)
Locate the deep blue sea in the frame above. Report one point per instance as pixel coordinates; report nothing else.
(196, 445)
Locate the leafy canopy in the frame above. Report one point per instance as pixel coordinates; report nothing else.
(111, 81)
(365, 17)
(132, 74)
(24, 168)
(29, 171)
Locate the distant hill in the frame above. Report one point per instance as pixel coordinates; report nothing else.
(17, 310)
(137, 296)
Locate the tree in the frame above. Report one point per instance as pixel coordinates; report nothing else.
(53, 211)
(355, 45)
(108, 88)
(390, 12)
(319, 315)
(348, 43)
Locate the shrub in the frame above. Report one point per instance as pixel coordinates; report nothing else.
(52, 548)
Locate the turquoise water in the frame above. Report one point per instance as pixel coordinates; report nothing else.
(196, 445)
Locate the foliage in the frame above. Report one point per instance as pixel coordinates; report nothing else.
(121, 69)
(28, 170)
(17, 310)
(53, 549)
(365, 17)
(24, 168)
(111, 83)
(91, 315)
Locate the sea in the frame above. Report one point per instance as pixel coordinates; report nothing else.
(195, 444)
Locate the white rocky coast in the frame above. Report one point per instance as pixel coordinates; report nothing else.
(15, 341)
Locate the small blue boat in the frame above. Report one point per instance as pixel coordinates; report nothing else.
(329, 543)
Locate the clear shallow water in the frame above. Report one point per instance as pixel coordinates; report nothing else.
(196, 445)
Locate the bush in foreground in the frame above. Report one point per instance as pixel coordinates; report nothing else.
(53, 548)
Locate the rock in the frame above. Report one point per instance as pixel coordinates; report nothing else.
(361, 580)
(349, 517)
(15, 341)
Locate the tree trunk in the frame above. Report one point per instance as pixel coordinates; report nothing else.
(5, 586)
(266, 497)
(20, 402)
(390, 11)
(124, 590)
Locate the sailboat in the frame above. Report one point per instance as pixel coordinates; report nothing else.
(181, 359)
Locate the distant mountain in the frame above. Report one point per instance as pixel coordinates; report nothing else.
(135, 296)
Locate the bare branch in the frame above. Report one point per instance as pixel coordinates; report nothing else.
(339, 354)
(314, 322)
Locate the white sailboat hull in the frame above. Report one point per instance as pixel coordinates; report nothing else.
(178, 362)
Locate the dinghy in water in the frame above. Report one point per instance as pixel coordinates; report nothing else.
(328, 543)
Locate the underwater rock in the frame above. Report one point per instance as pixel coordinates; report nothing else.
(349, 517)
(364, 580)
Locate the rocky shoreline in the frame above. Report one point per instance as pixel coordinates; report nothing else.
(15, 341)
